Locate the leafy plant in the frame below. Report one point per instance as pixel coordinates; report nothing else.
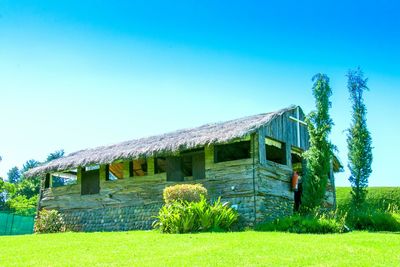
(183, 217)
(316, 224)
(49, 221)
(373, 220)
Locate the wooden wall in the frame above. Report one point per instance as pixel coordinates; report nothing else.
(258, 188)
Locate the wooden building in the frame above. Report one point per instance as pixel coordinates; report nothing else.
(248, 162)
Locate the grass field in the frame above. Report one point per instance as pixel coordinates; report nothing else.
(143, 248)
(377, 197)
(250, 248)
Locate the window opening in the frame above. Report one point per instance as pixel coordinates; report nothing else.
(160, 165)
(64, 178)
(232, 151)
(275, 151)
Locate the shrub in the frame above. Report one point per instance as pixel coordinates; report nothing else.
(49, 221)
(183, 217)
(184, 192)
(318, 224)
(373, 220)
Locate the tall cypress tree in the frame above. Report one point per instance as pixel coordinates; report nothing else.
(358, 138)
(319, 155)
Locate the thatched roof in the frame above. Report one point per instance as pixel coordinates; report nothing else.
(167, 143)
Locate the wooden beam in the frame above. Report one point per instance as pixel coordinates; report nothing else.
(150, 166)
(79, 175)
(254, 149)
(288, 152)
(103, 172)
(261, 147)
(209, 156)
(126, 170)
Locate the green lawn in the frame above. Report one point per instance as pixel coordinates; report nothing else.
(141, 248)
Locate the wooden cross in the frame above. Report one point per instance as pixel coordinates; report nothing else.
(298, 122)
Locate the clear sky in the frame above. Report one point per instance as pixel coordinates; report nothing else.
(78, 74)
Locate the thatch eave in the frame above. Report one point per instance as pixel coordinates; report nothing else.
(209, 134)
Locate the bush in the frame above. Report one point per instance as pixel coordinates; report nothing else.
(184, 217)
(184, 192)
(380, 211)
(318, 224)
(374, 220)
(49, 221)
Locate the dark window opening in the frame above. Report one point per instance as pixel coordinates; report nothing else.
(187, 165)
(193, 164)
(47, 181)
(90, 183)
(233, 151)
(131, 168)
(139, 167)
(276, 151)
(160, 165)
(190, 164)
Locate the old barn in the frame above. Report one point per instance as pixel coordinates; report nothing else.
(248, 161)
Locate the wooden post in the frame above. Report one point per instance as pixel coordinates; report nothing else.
(261, 147)
(79, 175)
(209, 156)
(150, 166)
(41, 188)
(253, 148)
(288, 152)
(254, 151)
(103, 172)
(126, 169)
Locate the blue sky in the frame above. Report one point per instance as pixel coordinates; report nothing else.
(78, 74)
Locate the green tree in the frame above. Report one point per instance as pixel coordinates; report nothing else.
(359, 140)
(319, 155)
(55, 155)
(2, 195)
(28, 187)
(21, 195)
(7, 190)
(14, 175)
(29, 164)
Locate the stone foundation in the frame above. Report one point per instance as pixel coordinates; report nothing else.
(273, 207)
(111, 219)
